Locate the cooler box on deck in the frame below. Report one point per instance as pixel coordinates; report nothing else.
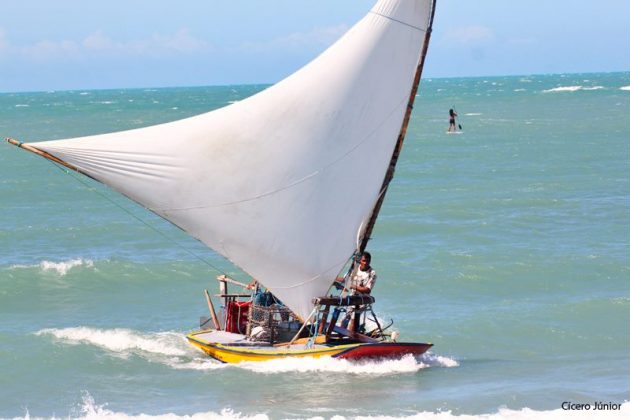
(236, 317)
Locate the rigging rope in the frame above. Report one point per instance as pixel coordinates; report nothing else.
(314, 331)
(162, 234)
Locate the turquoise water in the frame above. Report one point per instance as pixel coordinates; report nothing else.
(507, 246)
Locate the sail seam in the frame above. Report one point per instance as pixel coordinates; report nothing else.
(301, 180)
(397, 21)
(312, 279)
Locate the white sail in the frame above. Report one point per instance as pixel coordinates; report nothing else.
(281, 182)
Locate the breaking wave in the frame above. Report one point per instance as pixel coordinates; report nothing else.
(167, 348)
(572, 88)
(89, 409)
(61, 268)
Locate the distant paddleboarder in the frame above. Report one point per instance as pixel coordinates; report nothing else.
(451, 120)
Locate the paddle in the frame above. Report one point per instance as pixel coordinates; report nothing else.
(458, 125)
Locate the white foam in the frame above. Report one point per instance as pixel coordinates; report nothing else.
(166, 348)
(573, 88)
(88, 409)
(624, 88)
(440, 361)
(623, 300)
(564, 89)
(405, 364)
(120, 340)
(522, 414)
(171, 349)
(63, 267)
(473, 114)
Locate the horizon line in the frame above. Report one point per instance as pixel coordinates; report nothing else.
(427, 78)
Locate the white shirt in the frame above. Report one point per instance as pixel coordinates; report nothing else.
(359, 277)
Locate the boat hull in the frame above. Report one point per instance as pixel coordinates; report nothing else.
(236, 353)
(383, 350)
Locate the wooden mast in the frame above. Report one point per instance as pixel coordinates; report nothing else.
(46, 155)
(401, 138)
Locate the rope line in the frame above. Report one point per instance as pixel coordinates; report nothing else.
(397, 21)
(314, 330)
(163, 235)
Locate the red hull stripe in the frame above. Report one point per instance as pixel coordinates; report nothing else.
(384, 350)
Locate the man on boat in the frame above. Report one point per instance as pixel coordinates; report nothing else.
(262, 297)
(360, 282)
(362, 279)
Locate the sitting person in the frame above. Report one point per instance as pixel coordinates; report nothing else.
(262, 297)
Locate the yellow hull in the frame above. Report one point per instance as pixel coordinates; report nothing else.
(235, 354)
(234, 348)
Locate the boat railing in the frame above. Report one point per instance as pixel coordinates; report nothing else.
(356, 304)
(353, 300)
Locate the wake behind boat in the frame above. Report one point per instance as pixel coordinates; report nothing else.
(286, 184)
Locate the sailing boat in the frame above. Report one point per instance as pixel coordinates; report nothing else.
(286, 184)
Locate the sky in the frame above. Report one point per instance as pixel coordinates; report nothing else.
(77, 44)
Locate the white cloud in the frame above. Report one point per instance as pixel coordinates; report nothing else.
(45, 50)
(97, 43)
(469, 35)
(318, 37)
(182, 42)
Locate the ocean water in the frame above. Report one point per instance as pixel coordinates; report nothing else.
(507, 246)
